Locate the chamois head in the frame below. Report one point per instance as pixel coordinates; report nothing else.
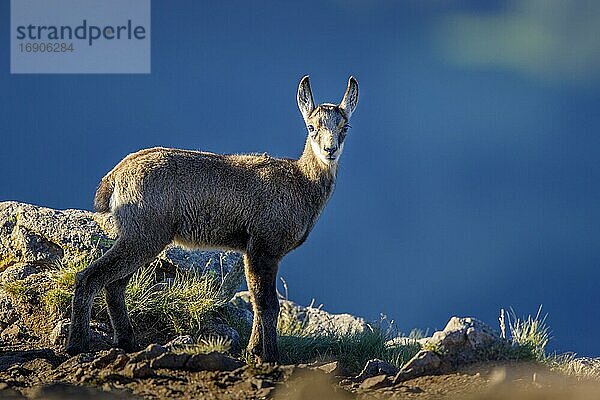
(327, 123)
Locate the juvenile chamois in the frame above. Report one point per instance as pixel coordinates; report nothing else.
(259, 205)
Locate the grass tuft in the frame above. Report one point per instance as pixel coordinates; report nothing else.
(300, 343)
(208, 345)
(179, 306)
(57, 299)
(583, 368)
(14, 288)
(529, 335)
(6, 260)
(352, 350)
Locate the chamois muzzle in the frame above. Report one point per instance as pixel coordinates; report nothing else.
(330, 152)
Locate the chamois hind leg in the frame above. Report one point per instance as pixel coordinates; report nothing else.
(123, 335)
(261, 275)
(123, 259)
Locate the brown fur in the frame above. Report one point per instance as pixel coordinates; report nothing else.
(102, 197)
(256, 204)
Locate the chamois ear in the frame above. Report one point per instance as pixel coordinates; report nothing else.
(350, 100)
(305, 99)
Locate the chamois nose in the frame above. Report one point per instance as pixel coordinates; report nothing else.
(330, 150)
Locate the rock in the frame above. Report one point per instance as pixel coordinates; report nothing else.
(120, 361)
(34, 239)
(408, 389)
(104, 358)
(227, 267)
(138, 371)
(326, 323)
(312, 385)
(60, 332)
(462, 341)
(406, 341)
(66, 391)
(264, 393)
(7, 393)
(149, 353)
(8, 314)
(170, 361)
(108, 375)
(286, 370)
(425, 362)
(237, 314)
(17, 371)
(12, 333)
(212, 362)
(18, 272)
(8, 360)
(376, 382)
(315, 319)
(178, 342)
(99, 338)
(38, 365)
(12, 358)
(333, 368)
(242, 300)
(33, 247)
(261, 383)
(375, 367)
(465, 340)
(40, 237)
(43, 236)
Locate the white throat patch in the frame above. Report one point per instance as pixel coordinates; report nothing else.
(317, 151)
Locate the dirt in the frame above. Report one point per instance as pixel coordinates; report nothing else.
(44, 374)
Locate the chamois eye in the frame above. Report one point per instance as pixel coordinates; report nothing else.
(310, 128)
(345, 128)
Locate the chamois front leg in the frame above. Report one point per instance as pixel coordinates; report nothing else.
(261, 275)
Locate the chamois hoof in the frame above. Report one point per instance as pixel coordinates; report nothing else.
(261, 358)
(128, 346)
(74, 349)
(267, 360)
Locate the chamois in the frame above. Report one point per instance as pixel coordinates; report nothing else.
(259, 205)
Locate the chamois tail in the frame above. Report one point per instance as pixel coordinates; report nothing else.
(103, 195)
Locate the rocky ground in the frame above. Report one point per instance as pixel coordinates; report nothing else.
(158, 374)
(461, 361)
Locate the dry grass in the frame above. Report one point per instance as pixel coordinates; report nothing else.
(582, 368)
(530, 336)
(208, 345)
(57, 299)
(177, 306)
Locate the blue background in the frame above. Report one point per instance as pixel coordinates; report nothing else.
(470, 177)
